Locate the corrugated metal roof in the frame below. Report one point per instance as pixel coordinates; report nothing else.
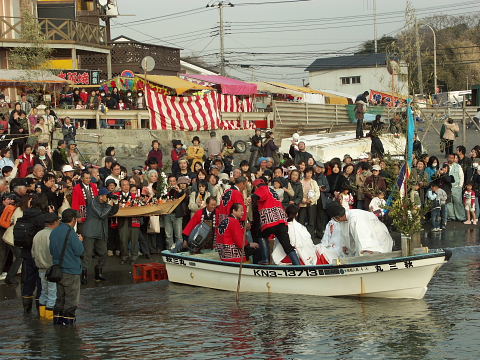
(30, 76)
(345, 62)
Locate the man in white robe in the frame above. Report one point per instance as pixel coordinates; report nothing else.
(364, 232)
(335, 243)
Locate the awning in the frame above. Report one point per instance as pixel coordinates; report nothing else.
(227, 85)
(25, 77)
(273, 89)
(301, 89)
(179, 85)
(329, 97)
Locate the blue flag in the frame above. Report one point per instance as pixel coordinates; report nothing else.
(410, 133)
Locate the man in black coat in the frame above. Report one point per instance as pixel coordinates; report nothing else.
(301, 154)
(95, 232)
(59, 156)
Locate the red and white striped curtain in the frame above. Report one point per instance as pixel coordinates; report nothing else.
(234, 103)
(192, 113)
(196, 113)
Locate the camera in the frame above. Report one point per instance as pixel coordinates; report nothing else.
(112, 197)
(225, 181)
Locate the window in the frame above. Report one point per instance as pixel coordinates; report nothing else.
(355, 79)
(350, 80)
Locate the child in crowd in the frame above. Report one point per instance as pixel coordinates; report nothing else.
(469, 203)
(80, 106)
(415, 196)
(346, 199)
(438, 197)
(278, 187)
(377, 205)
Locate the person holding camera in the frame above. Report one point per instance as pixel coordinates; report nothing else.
(95, 232)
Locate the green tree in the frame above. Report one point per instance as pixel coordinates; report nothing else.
(37, 54)
(368, 47)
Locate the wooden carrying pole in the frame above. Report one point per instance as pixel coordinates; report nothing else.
(237, 295)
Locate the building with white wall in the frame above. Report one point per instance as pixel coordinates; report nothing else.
(357, 73)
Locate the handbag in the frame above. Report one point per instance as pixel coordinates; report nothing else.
(154, 225)
(54, 273)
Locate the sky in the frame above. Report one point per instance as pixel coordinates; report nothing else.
(273, 41)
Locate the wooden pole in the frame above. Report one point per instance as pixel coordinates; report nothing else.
(237, 295)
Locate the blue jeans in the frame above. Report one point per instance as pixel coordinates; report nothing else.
(173, 230)
(436, 218)
(48, 295)
(444, 215)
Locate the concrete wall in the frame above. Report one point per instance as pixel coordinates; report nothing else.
(132, 146)
(370, 78)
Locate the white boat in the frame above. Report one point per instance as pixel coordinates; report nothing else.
(381, 275)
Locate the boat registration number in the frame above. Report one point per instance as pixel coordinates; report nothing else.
(296, 273)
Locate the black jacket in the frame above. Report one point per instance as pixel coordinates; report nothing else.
(299, 156)
(58, 160)
(297, 196)
(337, 182)
(36, 217)
(54, 199)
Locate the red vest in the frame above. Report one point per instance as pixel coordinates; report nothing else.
(230, 197)
(230, 238)
(270, 208)
(79, 199)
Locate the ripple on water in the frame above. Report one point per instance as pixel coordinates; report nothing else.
(168, 321)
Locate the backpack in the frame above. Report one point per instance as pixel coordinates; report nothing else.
(442, 131)
(23, 233)
(6, 217)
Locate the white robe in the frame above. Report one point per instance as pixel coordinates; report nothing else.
(335, 238)
(367, 232)
(362, 231)
(302, 242)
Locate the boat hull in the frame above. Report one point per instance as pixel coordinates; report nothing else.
(405, 277)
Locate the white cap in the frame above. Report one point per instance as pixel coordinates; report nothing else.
(363, 156)
(67, 168)
(376, 167)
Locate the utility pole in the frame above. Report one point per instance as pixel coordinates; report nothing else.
(435, 59)
(419, 59)
(220, 5)
(222, 40)
(375, 25)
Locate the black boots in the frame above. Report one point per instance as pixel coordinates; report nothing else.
(63, 319)
(83, 278)
(27, 304)
(98, 274)
(294, 257)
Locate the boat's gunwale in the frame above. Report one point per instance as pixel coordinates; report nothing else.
(446, 253)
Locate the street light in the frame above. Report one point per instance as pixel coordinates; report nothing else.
(434, 58)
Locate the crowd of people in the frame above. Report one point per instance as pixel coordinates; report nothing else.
(59, 209)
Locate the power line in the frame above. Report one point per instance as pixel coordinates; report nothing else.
(349, 18)
(164, 17)
(271, 2)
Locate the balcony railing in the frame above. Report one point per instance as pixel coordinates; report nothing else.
(56, 31)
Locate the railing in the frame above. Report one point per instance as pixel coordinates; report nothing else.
(306, 118)
(56, 30)
(131, 119)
